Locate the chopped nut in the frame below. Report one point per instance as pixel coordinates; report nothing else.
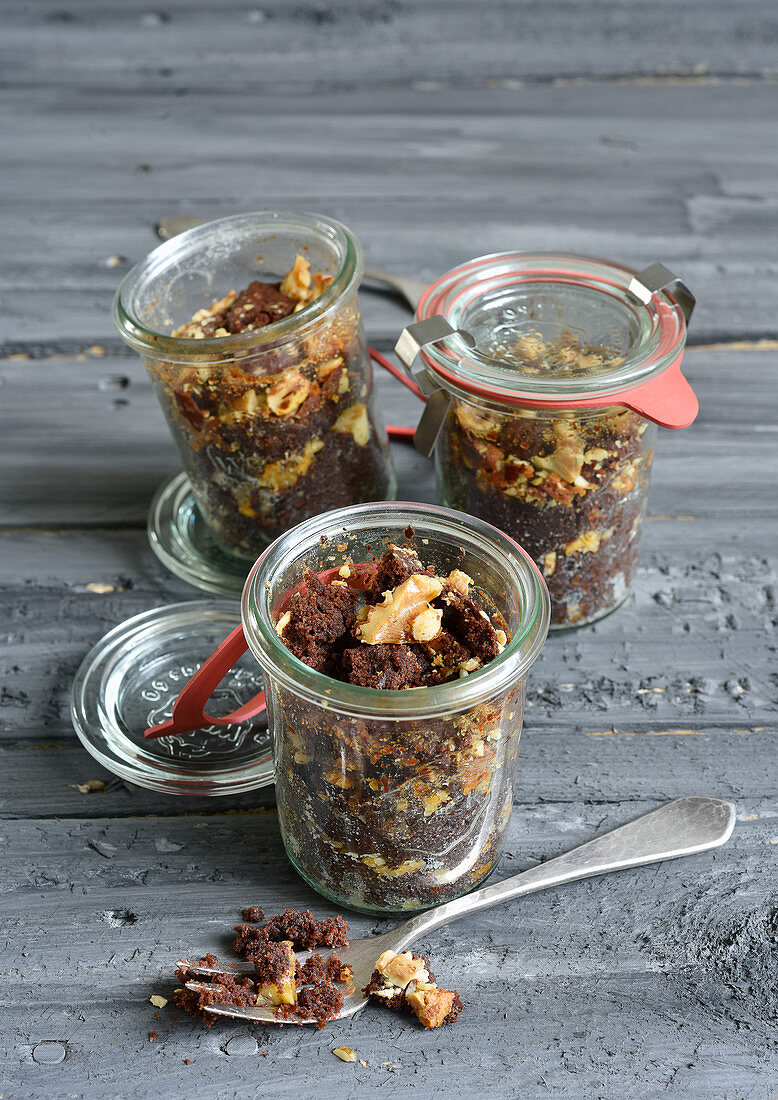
(92, 786)
(431, 1005)
(549, 563)
(346, 1054)
(283, 622)
(157, 1001)
(328, 367)
(501, 638)
(287, 394)
(284, 473)
(427, 624)
(344, 571)
(400, 969)
(568, 457)
(297, 282)
(459, 581)
(354, 421)
(392, 620)
(101, 589)
(476, 421)
(587, 543)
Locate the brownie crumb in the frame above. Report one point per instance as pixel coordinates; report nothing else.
(320, 1002)
(253, 913)
(405, 982)
(220, 989)
(300, 928)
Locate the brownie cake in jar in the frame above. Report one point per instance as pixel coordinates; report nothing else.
(552, 373)
(396, 660)
(267, 385)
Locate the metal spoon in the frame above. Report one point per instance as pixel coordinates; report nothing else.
(680, 828)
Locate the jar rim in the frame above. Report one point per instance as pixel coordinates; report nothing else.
(659, 325)
(281, 666)
(160, 345)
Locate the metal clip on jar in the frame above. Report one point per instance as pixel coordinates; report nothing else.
(388, 801)
(273, 424)
(546, 377)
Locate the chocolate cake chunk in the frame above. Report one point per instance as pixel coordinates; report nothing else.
(390, 667)
(316, 970)
(465, 622)
(319, 616)
(258, 305)
(405, 982)
(275, 965)
(392, 975)
(253, 913)
(396, 565)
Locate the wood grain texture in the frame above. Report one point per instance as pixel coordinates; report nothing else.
(425, 182)
(437, 131)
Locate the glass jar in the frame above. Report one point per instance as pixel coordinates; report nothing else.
(392, 801)
(572, 489)
(276, 424)
(547, 376)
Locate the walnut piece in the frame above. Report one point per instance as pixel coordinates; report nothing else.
(426, 626)
(392, 620)
(353, 421)
(587, 543)
(431, 1005)
(287, 394)
(346, 1054)
(459, 581)
(400, 969)
(297, 282)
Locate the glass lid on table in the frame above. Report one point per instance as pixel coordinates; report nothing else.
(555, 327)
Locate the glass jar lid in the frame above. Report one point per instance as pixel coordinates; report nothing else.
(130, 680)
(553, 330)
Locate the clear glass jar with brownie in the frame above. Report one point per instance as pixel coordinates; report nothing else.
(546, 377)
(251, 331)
(395, 640)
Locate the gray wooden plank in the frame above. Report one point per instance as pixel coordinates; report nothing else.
(425, 181)
(634, 977)
(359, 43)
(96, 446)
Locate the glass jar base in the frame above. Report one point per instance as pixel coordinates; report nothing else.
(184, 543)
(559, 628)
(372, 911)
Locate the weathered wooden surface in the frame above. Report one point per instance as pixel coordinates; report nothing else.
(437, 131)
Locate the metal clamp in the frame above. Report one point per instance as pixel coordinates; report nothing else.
(657, 277)
(412, 339)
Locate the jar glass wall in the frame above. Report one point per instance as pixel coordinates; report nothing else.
(393, 801)
(273, 424)
(570, 486)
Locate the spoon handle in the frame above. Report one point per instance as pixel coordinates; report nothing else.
(411, 289)
(680, 828)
